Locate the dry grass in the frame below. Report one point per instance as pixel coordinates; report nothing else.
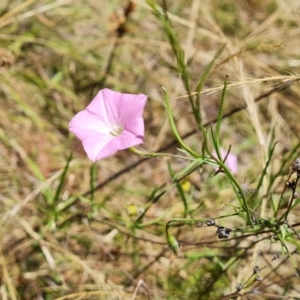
(54, 56)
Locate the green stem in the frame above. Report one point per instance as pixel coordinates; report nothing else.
(174, 128)
(289, 254)
(185, 221)
(238, 190)
(154, 154)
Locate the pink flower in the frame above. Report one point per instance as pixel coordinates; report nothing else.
(112, 121)
(231, 160)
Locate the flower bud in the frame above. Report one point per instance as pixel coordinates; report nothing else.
(173, 244)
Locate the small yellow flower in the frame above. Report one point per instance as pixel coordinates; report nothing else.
(186, 185)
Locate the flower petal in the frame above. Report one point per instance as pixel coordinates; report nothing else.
(85, 124)
(136, 126)
(127, 139)
(131, 107)
(115, 108)
(105, 106)
(96, 150)
(98, 147)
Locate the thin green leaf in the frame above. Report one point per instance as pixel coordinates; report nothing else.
(62, 180)
(93, 179)
(273, 206)
(63, 205)
(180, 191)
(204, 76)
(190, 168)
(153, 198)
(215, 143)
(173, 125)
(220, 115)
(263, 174)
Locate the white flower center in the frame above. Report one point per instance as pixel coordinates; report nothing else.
(116, 130)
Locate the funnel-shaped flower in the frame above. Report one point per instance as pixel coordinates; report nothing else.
(112, 121)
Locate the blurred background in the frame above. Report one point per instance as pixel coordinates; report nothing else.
(68, 229)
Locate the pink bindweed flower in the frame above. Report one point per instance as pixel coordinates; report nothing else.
(112, 121)
(231, 160)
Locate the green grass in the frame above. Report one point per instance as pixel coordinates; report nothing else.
(65, 235)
